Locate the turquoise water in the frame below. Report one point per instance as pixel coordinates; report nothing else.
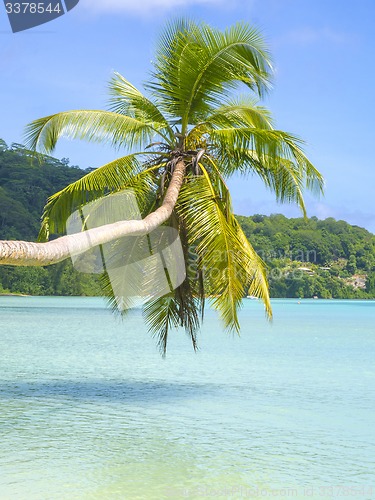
(89, 410)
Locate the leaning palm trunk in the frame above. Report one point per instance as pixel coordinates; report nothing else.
(25, 253)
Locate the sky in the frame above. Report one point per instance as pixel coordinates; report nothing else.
(323, 86)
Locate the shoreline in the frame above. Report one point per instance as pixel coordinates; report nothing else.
(247, 299)
(17, 295)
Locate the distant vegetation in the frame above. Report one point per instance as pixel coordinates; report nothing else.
(306, 258)
(25, 184)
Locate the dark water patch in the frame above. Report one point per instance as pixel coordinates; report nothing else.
(106, 390)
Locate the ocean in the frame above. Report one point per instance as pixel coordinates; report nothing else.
(90, 410)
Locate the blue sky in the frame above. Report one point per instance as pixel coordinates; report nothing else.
(324, 82)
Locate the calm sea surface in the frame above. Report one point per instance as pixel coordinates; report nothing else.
(89, 409)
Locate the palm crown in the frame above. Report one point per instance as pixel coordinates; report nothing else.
(194, 114)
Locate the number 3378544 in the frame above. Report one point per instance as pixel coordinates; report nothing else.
(32, 8)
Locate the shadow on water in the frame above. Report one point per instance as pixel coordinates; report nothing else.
(105, 390)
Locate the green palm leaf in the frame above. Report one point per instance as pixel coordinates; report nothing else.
(127, 172)
(196, 64)
(128, 100)
(184, 306)
(227, 265)
(177, 309)
(243, 111)
(91, 125)
(273, 155)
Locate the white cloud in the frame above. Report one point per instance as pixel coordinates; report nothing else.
(142, 7)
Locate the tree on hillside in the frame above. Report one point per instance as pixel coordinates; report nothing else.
(192, 131)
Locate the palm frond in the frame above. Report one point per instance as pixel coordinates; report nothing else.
(244, 111)
(126, 172)
(161, 315)
(126, 99)
(175, 310)
(91, 125)
(275, 156)
(228, 265)
(184, 306)
(196, 64)
(256, 284)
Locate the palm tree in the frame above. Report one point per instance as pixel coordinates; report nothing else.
(183, 141)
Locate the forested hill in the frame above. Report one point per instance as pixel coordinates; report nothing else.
(306, 258)
(25, 184)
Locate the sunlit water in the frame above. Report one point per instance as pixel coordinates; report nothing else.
(89, 409)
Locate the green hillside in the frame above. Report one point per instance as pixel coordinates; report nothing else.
(305, 258)
(25, 184)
